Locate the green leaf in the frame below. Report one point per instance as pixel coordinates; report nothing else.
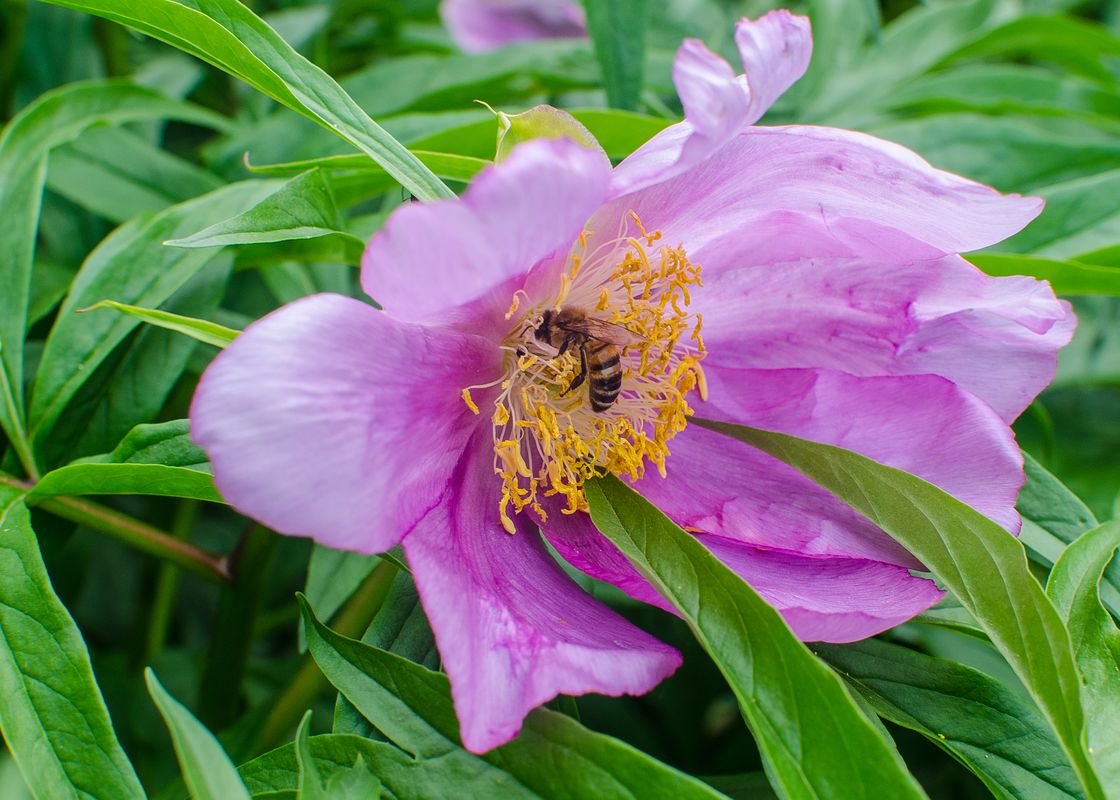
(992, 730)
(207, 770)
(976, 559)
(151, 460)
(446, 165)
(147, 479)
(541, 122)
(53, 718)
(118, 174)
(332, 576)
(1079, 216)
(303, 208)
(618, 31)
(1073, 586)
(310, 781)
(132, 266)
(1067, 277)
(412, 707)
(337, 755)
(814, 740)
(357, 783)
(200, 329)
(228, 35)
(52, 120)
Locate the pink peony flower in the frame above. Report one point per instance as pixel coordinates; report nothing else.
(479, 25)
(799, 279)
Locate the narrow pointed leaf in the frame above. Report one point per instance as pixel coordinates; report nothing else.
(977, 560)
(1073, 586)
(52, 716)
(814, 740)
(228, 35)
(203, 330)
(310, 781)
(618, 31)
(207, 770)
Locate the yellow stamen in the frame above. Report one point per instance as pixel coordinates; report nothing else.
(548, 441)
(469, 401)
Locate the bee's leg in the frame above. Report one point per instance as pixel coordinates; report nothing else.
(578, 380)
(570, 339)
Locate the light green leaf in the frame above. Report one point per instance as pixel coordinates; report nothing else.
(1073, 586)
(445, 165)
(151, 460)
(998, 735)
(52, 120)
(310, 781)
(207, 770)
(618, 31)
(357, 783)
(228, 35)
(814, 740)
(1067, 277)
(412, 707)
(200, 329)
(541, 122)
(132, 266)
(303, 208)
(53, 718)
(976, 559)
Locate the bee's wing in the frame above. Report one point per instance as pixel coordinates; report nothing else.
(603, 331)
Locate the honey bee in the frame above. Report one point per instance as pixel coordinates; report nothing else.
(600, 346)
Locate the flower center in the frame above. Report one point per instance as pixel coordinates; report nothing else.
(596, 379)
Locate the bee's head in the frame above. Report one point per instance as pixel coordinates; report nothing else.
(543, 333)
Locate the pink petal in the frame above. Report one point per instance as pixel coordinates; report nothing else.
(458, 261)
(331, 420)
(922, 424)
(513, 630)
(830, 193)
(828, 598)
(479, 25)
(996, 337)
(775, 49)
(718, 104)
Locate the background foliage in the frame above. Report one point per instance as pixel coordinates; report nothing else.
(176, 168)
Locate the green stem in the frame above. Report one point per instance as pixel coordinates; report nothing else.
(17, 436)
(219, 699)
(351, 621)
(135, 533)
(167, 584)
(112, 41)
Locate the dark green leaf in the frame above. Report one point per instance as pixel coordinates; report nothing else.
(1096, 641)
(332, 576)
(209, 773)
(412, 707)
(976, 559)
(53, 718)
(814, 740)
(992, 730)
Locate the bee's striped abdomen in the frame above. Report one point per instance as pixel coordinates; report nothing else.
(604, 363)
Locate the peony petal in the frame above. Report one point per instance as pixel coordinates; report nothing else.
(331, 420)
(513, 630)
(718, 104)
(826, 598)
(922, 424)
(775, 49)
(831, 192)
(480, 25)
(458, 261)
(996, 337)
